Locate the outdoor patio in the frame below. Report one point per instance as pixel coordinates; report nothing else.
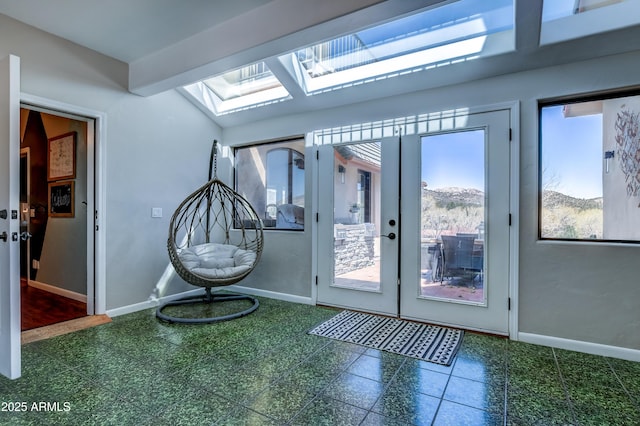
(367, 279)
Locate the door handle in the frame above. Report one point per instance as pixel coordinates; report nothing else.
(3, 214)
(391, 236)
(3, 236)
(24, 236)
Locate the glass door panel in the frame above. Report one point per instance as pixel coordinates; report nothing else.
(357, 223)
(454, 262)
(356, 195)
(453, 216)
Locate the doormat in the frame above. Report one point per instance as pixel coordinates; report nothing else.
(422, 341)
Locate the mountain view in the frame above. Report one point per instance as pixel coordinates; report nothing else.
(564, 216)
(460, 210)
(451, 211)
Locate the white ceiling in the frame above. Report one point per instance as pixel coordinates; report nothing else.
(125, 29)
(170, 43)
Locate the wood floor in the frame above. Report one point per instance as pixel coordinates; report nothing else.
(41, 308)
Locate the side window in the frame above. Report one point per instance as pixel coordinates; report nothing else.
(271, 177)
(590, 170)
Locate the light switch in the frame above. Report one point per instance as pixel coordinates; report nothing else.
(156, 212)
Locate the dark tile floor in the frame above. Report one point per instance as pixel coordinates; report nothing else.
(264, 369)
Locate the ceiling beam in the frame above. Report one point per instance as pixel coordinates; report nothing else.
(275, 28)
(528, 15)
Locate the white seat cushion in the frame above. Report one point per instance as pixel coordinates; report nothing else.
(215, 260)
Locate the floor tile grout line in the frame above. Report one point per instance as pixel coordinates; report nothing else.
(240, 406)
(505, 412)
(174, 373)
(338, 373)
(282, 377)
(633, 400)
(385, 387)
(564, 387)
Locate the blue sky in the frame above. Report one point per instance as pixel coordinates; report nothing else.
(571, 155)
(454, 160)
(554, 9)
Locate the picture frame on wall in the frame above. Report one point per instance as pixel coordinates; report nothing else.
(61, 199)
(61, 157)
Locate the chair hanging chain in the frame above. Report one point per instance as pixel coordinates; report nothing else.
(213, 161)
(213, 165)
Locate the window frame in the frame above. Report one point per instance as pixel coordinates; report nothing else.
(568, 100)
(276, 145)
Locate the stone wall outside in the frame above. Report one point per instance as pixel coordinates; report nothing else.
(353, 247)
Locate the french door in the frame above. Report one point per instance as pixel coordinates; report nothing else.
(358, 225)
(418, 227)
(9, 222)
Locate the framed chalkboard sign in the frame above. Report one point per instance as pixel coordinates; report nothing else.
(61, 199)
(61, 157)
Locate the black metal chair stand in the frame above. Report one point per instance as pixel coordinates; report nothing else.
(207, 298)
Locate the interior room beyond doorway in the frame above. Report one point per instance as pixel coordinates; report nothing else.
(53, 218)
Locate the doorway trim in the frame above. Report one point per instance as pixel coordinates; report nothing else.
(514, 188)
(96, 293)
(26, 153)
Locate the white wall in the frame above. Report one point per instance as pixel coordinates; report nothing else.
(583, 292)
(156, 151)
(621, 207)
(63, 261)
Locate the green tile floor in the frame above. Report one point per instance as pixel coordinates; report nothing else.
(264, 369)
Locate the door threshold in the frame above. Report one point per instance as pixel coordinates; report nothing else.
(65, 327)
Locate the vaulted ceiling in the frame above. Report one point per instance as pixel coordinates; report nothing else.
(170, 43)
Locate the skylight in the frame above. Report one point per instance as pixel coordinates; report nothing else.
(456, 32)
(247, 87)
(564, 20)
(556, 9)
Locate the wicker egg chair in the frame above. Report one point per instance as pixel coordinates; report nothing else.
(215, 239)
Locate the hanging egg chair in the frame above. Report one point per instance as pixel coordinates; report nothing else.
(215, 239)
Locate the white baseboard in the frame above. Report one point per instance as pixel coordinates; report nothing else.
(59, 291)
(580, 346)
(151, 303)
(270, 294)
(154, 302)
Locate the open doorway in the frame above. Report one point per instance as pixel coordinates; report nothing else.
(54, 195)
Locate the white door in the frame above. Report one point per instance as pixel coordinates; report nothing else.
(455, 224)
(358, 226)
(9, 217)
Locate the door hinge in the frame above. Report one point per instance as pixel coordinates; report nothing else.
(510, 134)
(317, 217)
(316, 280)
(317, 154)
(509, 219)
(508, 303)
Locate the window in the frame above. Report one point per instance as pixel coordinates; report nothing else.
(454, 32)
(564, 20)
(590, 170)
(271, 177)
(364, 196)
(448, 33)
(248, 87)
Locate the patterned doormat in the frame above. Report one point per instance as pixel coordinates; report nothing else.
(426, 342)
